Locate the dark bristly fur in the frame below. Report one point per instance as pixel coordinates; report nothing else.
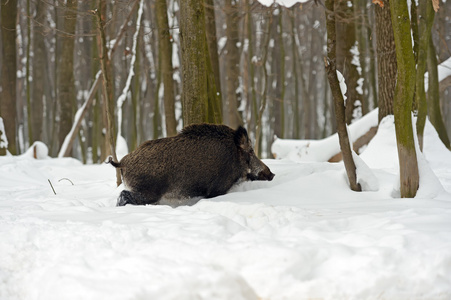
(204, 160)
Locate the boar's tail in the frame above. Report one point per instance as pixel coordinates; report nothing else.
(115, 164)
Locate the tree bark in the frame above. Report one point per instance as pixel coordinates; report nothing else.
(232, 63)
(409, 175)
(386, 60)
(9, 70)
(200, 99)
(165, 49)
(338, 98)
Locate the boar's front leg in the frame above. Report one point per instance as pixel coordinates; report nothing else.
(135, 198)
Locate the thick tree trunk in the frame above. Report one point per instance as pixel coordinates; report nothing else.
(9, 70)
(409, 176)
(331, 70)
(200, 99)
(386, 60)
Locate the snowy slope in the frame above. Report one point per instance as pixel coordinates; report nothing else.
(303, 235)
(324, 149)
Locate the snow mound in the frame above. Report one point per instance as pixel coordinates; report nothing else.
(321, 150)
(38, 150)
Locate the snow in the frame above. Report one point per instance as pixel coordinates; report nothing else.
(322, 150)
(286, 3)
(443, 70)
(303, 235)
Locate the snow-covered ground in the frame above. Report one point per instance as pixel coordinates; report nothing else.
(303, 235)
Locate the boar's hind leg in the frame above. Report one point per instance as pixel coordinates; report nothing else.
(134, 198)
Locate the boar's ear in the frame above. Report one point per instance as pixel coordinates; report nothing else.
(241, 138)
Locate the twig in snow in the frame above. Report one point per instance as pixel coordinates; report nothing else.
(52, 186)
(66, 179)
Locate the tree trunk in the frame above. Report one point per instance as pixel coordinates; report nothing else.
(200, 99)
(165, 49)
(232, 63)
(107, 85)
(425, 20)
(212, 41)
(258, 129)
(433, 96)
(65, 80)
(408, 165)
(253, 98)
(294, 65)
(39, 67)
(28, 75)
(346, 39)
(338, 98)
(386, 60)
(279, 61)
(9, 70)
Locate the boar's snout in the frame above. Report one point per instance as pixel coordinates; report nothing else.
(264, 174)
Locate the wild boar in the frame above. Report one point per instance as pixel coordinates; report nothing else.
(203, 161)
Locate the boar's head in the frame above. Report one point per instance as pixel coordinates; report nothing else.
(254, 167)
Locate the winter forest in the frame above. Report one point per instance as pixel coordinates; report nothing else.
(333, 183)
(267, 63)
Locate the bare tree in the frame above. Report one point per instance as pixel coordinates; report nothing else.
(343, 137)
